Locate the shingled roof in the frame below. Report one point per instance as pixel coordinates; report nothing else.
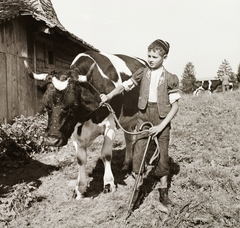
(41, 10)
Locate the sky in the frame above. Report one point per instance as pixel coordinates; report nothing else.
(203, 32)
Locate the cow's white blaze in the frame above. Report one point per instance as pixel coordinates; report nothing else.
(79, 56)
(210, 84)
(119, 64)
(59, 85)
(110, 129)
(120, 67)
(99, 69)
(140, 60)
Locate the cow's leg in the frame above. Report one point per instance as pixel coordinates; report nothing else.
(129, 139)
(106, 154)
(195, 93)
(128, 124)
(82, 138)
(81, 186)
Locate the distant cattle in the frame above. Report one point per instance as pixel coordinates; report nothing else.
(72, 101)
(209, 85)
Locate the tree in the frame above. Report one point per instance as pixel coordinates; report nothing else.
(238, 73)
(188, 78)
(225, 67)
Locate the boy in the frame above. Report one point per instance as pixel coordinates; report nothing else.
(158, 103)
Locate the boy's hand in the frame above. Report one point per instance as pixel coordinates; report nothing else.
(104, 98)
(155, 130)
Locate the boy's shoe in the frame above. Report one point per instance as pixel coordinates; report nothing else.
(129, 180)
(163, 198)
(132, 178)
(140, 180)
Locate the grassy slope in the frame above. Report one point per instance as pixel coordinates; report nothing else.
(205, 143)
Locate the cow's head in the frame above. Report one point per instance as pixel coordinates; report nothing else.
(67, 101)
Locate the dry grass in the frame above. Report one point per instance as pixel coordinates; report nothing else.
(204, 143)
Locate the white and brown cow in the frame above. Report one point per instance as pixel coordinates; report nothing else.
(208, 85)
(74, 111)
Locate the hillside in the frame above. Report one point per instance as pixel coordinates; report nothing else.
(205, 184)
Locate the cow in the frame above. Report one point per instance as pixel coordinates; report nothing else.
(72, 103)
(209, 85)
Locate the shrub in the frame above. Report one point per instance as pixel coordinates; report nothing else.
(27, 132)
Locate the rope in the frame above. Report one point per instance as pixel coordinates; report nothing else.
(109, 107)
(155, 155)
(157, 150)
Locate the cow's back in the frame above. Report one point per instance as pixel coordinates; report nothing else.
(109, 72)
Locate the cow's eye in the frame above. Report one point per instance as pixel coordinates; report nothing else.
(47, 108)
(65, 109)
(68, 110)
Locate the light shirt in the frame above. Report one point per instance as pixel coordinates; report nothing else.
(129, 85)
(155, 77)
(174, 97)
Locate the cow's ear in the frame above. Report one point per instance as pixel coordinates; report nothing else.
(74, 73)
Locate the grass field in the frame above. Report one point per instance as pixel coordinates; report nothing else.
(205, 147)
(205, 142)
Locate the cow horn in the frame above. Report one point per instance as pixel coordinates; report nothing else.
(33, 75)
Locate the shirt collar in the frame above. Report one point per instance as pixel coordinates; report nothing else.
(160, 69)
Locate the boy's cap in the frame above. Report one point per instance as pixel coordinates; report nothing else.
(164, 44)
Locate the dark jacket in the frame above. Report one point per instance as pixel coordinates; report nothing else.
(168, 83)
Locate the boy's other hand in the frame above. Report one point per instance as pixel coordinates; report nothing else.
(104, 98)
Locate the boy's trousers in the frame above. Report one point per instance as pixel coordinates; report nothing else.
(150, 114)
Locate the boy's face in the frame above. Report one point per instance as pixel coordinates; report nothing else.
(155, 59)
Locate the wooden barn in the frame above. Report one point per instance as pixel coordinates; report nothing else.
(30, 29)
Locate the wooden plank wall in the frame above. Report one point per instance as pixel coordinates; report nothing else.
(17, 95)
(3, 90)
(27, 92)
(12, 86)
(63, 56)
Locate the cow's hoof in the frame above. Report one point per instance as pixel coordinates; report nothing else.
(113, 188)
(162, 208)
(74, 195)
(108, 188)
(77, 195)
